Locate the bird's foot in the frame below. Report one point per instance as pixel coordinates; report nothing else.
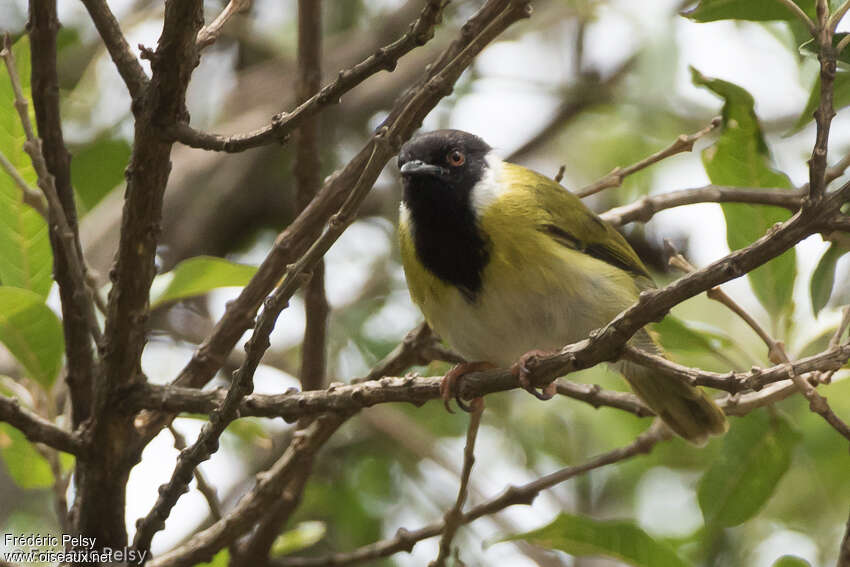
(449, 385)
(521, 371)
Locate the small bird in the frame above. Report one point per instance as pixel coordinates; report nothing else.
(506, 264)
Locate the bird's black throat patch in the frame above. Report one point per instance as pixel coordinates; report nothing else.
(445, 232)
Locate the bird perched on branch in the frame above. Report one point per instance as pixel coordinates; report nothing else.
(506, 264)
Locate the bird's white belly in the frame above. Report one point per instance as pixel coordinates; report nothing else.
(507, 321)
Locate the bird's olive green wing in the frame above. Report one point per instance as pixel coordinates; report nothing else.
(566, 219)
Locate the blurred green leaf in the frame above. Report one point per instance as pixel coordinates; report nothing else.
(32, 333)
(24, 243)
(98, 169)
(740, 158)
(753, 10)
(791, 561)
(197, 276)
(755, 455)
(840, 98)
(678, 335)
(301, 536)
(823, 278)
(25, 465)
(622, 540)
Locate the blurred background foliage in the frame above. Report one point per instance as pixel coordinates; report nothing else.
(588, 84)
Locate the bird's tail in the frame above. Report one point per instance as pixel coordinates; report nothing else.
(687, 410)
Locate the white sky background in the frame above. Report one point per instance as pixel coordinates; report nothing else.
(505, 114)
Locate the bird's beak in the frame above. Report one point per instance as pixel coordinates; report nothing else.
(419, 167)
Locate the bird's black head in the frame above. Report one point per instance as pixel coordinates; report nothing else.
(450, 158)
(439, 170)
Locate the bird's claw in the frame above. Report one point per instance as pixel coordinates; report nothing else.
(522, 372)
(449, 385)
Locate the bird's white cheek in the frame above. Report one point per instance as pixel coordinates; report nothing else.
(489, 188)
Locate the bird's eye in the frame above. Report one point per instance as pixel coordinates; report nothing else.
(456, 158)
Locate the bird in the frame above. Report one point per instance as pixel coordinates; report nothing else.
(506, 264)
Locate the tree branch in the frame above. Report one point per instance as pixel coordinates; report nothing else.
(250, 507)
(39, 430)
(77, 287)
(406, 115)
(683, 143)
(295, 405)
(645, 208)
(308, 179)
(404, 540)
(453, 518)
(284, 123)
(100, 496)
(210, 32)
(825, 111)
(77, 310)
(127, 64)
(29, 196)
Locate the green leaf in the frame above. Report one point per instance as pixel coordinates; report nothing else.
(32, 333)
(301, 536)
(199, 275)
(98, 169)
(791, 561)
(823, 278)
(24, 242)
(756, 453)
(622, 540)
(25, 465)
(677, 335)
(740, 158)
(753, 10)
(841, 98)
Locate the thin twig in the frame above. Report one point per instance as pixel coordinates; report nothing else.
(683, 143)
(404, 540)
(81, 364)
(826, 377)
(250, 507)
(284, 123)
(56, 211)
(645, 208)
(801, 15)
(825, 111)
(419, 347)
(205, 488)
(775, 349)
(29, 196)
(453, 518)
(128, 65)
(39, 430)
(836, 17)
(210, 32)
